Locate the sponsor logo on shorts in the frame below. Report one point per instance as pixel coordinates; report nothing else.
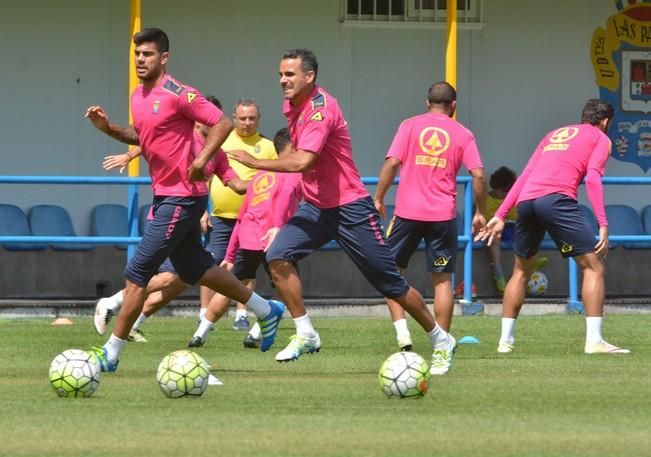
(441, 261)
(566, 248)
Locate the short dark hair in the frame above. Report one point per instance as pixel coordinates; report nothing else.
(281, 139)
(153, 35)
(214, 100)
(441, 93)
(596, 110)
(502, 178)
(308, 59)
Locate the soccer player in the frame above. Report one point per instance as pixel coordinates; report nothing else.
(226, 203)
(429, 150)
(164, 113)
(337, 206)
(166, 284)
(270, 201)
(545, 194)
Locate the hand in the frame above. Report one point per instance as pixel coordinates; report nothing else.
(601, 248)
(205, 222)
(242, 157)
(226, 265)
(196, 171)
(119, 160)
(269, 237)
(98, 117)
(381, 209)
(478, 223)
(492, 231)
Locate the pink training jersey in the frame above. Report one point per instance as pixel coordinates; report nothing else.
(270, 201)
(559, 164)
(431, 148)
(164, 118)
(218, 165)
(318, 126)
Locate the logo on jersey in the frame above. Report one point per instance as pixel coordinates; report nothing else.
(433, 141)
(261, 186)
(441, 261)
(621, 59)
(191, 96)
(566, 248)
(559, 139)
(156, 106)
(256, 149)
(317, 116)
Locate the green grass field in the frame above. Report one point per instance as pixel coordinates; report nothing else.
(547, 399)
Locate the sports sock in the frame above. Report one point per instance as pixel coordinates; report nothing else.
(439, 337)
(255, 331)
(402, 331)
(240, 314)
(141, 319)
(203, 328)
(202, 313)
(593, 330)
(114, 302)
(113, 348)
(508, 330)
(258, 306)
(304, 326)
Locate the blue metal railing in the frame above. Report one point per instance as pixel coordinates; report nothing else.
(132, 215)
(574, 303)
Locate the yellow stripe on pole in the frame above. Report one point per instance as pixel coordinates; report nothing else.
(134, 27)
(451, 43)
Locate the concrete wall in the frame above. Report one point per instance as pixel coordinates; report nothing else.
(526, 71)
(93, 274)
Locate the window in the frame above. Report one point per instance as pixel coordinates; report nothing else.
(409, 11)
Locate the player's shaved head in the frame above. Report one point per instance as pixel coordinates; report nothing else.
(441, 93)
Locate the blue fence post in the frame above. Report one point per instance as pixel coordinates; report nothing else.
(467, 253)
(574, 304)
(132, 217)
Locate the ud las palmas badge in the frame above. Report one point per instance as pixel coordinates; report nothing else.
(621, 57)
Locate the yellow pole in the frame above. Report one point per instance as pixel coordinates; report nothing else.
(134, 27)
(451, 45)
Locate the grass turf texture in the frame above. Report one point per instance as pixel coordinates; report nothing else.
(546, 399)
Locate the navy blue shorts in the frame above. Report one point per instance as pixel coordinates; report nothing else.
(174, 232)
(404, 235)
(356, 226)
(247, 263)
(559, 215)
(217, 237)
(216, 242)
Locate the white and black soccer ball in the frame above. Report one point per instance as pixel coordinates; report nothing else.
(404, 375)
(537, 284)
(183, 373)
(75, 373)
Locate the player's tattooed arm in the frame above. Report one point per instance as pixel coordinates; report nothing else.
(100, 120)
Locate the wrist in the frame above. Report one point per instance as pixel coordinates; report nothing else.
(129, 155)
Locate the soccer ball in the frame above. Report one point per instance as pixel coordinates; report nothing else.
(74, 373)
(537, 284)
(404, 375)
(183, 373)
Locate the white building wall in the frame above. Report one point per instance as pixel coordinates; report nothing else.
(525, 72)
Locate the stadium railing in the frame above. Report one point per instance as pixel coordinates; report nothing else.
(574, 304)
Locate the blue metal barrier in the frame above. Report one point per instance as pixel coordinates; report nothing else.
(132, 213)
(574, 303)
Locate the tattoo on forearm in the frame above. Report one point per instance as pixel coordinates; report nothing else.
(126, 135)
